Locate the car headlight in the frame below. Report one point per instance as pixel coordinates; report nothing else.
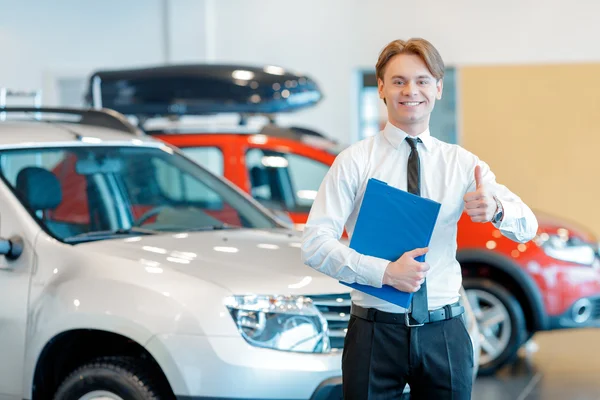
(565, 248)
(288, 323)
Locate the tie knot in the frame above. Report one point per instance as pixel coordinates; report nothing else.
(412, 142)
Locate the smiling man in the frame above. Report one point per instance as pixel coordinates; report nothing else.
(433, 351)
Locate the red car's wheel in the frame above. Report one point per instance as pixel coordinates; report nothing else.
(501, 322)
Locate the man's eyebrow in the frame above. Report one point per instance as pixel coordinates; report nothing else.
(418, 77)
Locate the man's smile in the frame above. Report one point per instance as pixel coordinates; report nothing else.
(411, 103)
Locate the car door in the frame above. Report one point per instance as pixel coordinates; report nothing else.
(14, 290)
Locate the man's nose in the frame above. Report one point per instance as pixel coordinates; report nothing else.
(410, 89)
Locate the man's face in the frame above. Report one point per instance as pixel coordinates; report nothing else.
(410, 92)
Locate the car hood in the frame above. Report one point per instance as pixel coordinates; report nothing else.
(239, 260)
(551, 224)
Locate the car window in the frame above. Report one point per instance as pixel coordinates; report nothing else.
(178, 186)
(187, 195)
(210, 158)
(284, 181)
(60, 163)
(306, 175)
(72, 191)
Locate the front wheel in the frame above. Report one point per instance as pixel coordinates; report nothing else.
(501, 322)
(107, 378)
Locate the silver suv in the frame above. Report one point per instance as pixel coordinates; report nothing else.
(130, 272)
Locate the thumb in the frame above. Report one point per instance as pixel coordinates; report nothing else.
(478, 180)
(417, 252)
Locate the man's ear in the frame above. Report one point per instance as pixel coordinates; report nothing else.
(439, 86)
(380, 90)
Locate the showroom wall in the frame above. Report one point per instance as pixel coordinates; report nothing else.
(537, 126)
(44, 42)
(332, 40)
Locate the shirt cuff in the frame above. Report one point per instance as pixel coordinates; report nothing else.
(508, 216)
(371, 270)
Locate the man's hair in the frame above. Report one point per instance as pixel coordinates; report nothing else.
(415, 46)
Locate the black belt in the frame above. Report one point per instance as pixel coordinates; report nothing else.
(449, 311)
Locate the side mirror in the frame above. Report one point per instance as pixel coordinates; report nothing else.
(11, 248)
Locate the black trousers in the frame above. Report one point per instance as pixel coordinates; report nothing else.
(435, 359)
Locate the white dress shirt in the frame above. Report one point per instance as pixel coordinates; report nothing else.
(447, 173)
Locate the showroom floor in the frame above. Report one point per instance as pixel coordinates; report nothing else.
(566, 365)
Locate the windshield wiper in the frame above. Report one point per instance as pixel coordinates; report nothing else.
(212, 228)
(100, 235)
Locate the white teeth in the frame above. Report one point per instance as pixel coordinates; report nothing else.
(411, 103)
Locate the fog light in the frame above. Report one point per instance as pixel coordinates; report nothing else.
(581, 311)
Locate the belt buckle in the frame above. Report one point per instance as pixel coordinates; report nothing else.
(407, 321)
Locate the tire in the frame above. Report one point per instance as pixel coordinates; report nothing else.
(108, 377)
(501, 323)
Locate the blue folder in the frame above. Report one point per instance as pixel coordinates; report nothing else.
(390, 223)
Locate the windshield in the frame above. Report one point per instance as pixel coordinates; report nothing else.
(88, 191)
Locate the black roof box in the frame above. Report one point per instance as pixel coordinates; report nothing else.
(201, 89)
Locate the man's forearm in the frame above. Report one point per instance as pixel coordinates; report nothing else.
(328, 255)
(518, 222)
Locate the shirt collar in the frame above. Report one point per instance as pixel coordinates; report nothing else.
(396, 136)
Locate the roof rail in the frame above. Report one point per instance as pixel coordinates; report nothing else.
(291, 132)
(273, 130)
(104, 117)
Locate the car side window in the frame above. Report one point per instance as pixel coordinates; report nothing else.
(64, 206)
(306, 175)
(210, 158)
(284, 181)
(269, 182)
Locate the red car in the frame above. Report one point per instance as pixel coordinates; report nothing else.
(515, 289)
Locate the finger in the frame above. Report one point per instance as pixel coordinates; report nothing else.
(475, 211)
(480, 219)
(405, 287)
(478, 180)
(417, 252)
(471, 196)
(423, 267)
(478, 212)
(470, 205)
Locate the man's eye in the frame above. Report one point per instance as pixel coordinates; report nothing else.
(425, 82)
(398, 83)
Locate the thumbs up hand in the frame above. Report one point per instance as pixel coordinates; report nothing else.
(480, 205)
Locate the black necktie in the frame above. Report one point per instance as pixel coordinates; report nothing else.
(420, 309)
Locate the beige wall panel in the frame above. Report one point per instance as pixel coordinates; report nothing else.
(539, 129)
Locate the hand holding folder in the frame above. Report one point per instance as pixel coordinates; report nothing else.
(390, 223)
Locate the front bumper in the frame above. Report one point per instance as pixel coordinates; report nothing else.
(229, 368)
(583, 313)
(331, 389)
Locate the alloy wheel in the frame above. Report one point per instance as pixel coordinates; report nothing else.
(100, 395)
(494, 323)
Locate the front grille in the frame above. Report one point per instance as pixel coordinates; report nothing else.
(336, 310)
(595, 309)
